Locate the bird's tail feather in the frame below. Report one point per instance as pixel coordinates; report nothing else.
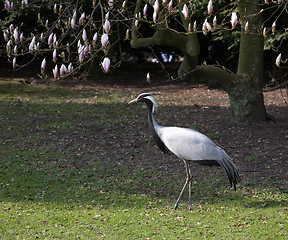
(231, 170)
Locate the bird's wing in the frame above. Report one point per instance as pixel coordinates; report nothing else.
(189, 144)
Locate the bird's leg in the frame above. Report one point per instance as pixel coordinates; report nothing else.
(189, 175)
(188, 179)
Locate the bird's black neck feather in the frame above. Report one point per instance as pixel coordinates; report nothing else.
(152, 125)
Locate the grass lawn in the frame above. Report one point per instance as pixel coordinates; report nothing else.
(61, 178)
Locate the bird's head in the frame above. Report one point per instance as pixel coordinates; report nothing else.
(147, 98)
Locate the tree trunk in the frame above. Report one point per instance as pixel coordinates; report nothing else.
(246, 98)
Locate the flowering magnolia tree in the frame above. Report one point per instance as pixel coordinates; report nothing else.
(71, 34)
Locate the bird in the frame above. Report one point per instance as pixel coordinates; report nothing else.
(188, 145)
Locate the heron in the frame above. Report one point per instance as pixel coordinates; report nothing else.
(188, 145)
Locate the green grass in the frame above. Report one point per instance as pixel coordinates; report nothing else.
(55, 185)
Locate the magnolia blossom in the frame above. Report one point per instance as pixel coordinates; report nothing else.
(55, 71)
(123, 4)
(195, 26)
(21, 37)
(5, 35)
(136, 23)
(106, 26)
(246, 26)
(155, 16)
(73, 23)
(206, 27)
(14, 62)
(15, 50)
(233, 20)
(156, 6)
(264, 32)
(63, 70)
(50, 39)
(107, 15)
(110, 3)
(104, 40)
(16, 35)
(8, 47)
(170, 6)
(278, 60)
(148, 77)
(82, 18)
(32, 45)
(273, 27)
(84, 35)
(210, 7)
(145, 10)
(94, 39)
(189, 27)
(11, 28)
(185, 11)
(214, 21)
(70, 68)
(54, 59)
(46, 24)
(106, 64)
(43, 65)
(127, 34)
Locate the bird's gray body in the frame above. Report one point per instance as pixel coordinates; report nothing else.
(189, 145)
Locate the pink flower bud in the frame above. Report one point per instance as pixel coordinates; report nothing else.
(73, 23)
(21, 37)
(94, 39)
(15, 50)
(43, 65)
(148, 77)
(264, 32)
(5, 35)
(156, 6)
(82, 18)
(16, 35)
(63, 70)
(11, 28)
(154, 16)
(104, 40)
(246, 26)
(70, 68)
(185, 11)
(14, 63)
(54, 56)
(55, 71)
(106, 64)
(273, 27)
(32, 45)
(170, 5)
(106, 26)
(145, 10)
(214, 21)
(210, 7)
(136, 23)
(234, 20)
(50, 39)
(84, 35)
(278, 60)
(127, 34)
(110, 3)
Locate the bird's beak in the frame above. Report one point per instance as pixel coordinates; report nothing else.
(134, 100)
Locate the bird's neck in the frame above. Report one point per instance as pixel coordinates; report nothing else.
(154, 127)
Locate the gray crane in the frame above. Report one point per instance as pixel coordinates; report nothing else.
(189, 145)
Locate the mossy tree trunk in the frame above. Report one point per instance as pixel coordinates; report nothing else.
(245, 87)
